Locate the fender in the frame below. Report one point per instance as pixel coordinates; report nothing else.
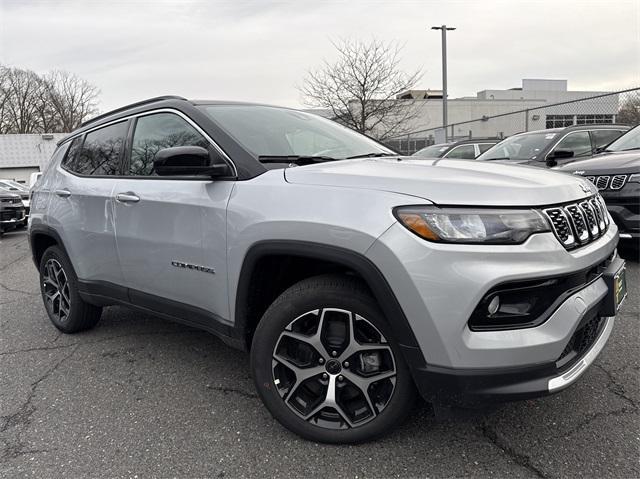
(357, 262)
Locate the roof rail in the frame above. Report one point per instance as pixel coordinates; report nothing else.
(132, 105)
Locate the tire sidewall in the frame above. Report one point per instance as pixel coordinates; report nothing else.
(285, 310)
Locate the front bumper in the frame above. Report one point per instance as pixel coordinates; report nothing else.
(11, 217)
(624, 208)
(439, 286)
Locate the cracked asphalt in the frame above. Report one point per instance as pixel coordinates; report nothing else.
(142, 397)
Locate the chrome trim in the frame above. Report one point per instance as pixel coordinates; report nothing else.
(560, 382)
(617, 182)
(571, 240)
(602, 180)
(625, 235)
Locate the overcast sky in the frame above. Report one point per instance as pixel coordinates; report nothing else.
(260, 50)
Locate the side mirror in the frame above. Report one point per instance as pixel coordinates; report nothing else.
(558, 155)
(188, 161)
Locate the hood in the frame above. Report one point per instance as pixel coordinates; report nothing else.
(610, 163)
(448, 182)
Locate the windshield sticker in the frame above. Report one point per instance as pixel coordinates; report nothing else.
(549, 136)
(443, 148)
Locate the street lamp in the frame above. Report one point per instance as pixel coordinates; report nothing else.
(444, 29)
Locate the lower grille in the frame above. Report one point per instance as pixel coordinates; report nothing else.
(581, 341)
(7, 215)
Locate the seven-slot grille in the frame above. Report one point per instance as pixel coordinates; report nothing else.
(615, 182)
(577, 224)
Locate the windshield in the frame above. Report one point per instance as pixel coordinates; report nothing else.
(8, 184)
(270, 131)
(629, 141)
(433, 151)
(519, 147)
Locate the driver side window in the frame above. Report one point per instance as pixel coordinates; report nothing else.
(158, 131)
(578, 142)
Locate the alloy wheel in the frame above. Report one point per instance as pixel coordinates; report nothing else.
(55, 288)
(334, 368)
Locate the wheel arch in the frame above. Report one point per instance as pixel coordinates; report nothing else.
(42, 237)
(345, 260)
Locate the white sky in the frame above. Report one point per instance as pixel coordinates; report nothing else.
(260, 50)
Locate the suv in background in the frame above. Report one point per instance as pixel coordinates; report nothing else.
(462, 150)
(12, 212)
(21, 190)
(354, 276)
(555, 146)
(616, 174)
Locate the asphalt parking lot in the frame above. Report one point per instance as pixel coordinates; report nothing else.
(142, 397)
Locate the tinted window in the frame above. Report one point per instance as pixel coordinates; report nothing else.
(155, 132)
(70, 161)
(100, 153)
(485, 146)
(629, 141)
(604, 137)
(578, 142)
(462, 152)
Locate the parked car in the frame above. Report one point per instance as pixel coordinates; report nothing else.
(463, 149)
(556, 146)
(354, 276)
(12, 211)
(12, 186)
(33, 178)
(616, 174)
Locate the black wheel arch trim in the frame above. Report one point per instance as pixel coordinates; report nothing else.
(43, 230)
(352, 260)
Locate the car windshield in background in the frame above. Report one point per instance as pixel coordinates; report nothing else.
(628, 141)
(279, 132)
(519, 147)
(433, 151)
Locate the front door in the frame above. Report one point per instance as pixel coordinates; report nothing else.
(162, 224)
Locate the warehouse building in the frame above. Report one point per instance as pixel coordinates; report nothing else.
(23, 154)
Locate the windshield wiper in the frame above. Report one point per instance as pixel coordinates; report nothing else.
(299, 160)
(369, 155)
(630, 149)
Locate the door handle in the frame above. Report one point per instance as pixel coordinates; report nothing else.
(63, 193)
(127, 198)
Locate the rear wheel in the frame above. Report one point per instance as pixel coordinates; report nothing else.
(59, 286)
(326, 366)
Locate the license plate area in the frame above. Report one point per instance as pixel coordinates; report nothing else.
(615, 277)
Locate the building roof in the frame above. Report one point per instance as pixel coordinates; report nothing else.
(27, 150)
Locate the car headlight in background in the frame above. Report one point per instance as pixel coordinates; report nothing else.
(472, 225)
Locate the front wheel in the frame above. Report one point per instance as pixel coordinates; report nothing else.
(326, 366)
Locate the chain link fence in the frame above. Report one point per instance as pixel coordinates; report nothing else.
(620, 107)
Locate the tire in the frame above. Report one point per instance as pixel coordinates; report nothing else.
(287, 340)
(59, 287)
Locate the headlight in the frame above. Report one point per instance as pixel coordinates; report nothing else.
(472, 225)
(635, 178)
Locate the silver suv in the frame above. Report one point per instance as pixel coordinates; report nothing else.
(354, 284)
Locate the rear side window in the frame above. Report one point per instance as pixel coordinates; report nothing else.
(100, 153)
(484, 146)
(158, 131)
(70, 161)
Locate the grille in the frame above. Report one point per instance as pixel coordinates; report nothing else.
(602, 182)
(577, 224)
(7, 215)
(618, 182)
(581, 341)
(607, 182)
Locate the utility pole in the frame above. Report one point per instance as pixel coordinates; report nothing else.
(444, 29)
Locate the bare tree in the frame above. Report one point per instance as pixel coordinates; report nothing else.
(629, 112)
(72, 99)
(57, 102)
(361, 86)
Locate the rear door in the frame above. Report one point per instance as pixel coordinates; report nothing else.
(81, 207)
(171, 232)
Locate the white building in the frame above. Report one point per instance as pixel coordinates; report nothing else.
(490, 112)
(21, 155)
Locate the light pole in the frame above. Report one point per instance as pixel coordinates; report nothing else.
(444, 29)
